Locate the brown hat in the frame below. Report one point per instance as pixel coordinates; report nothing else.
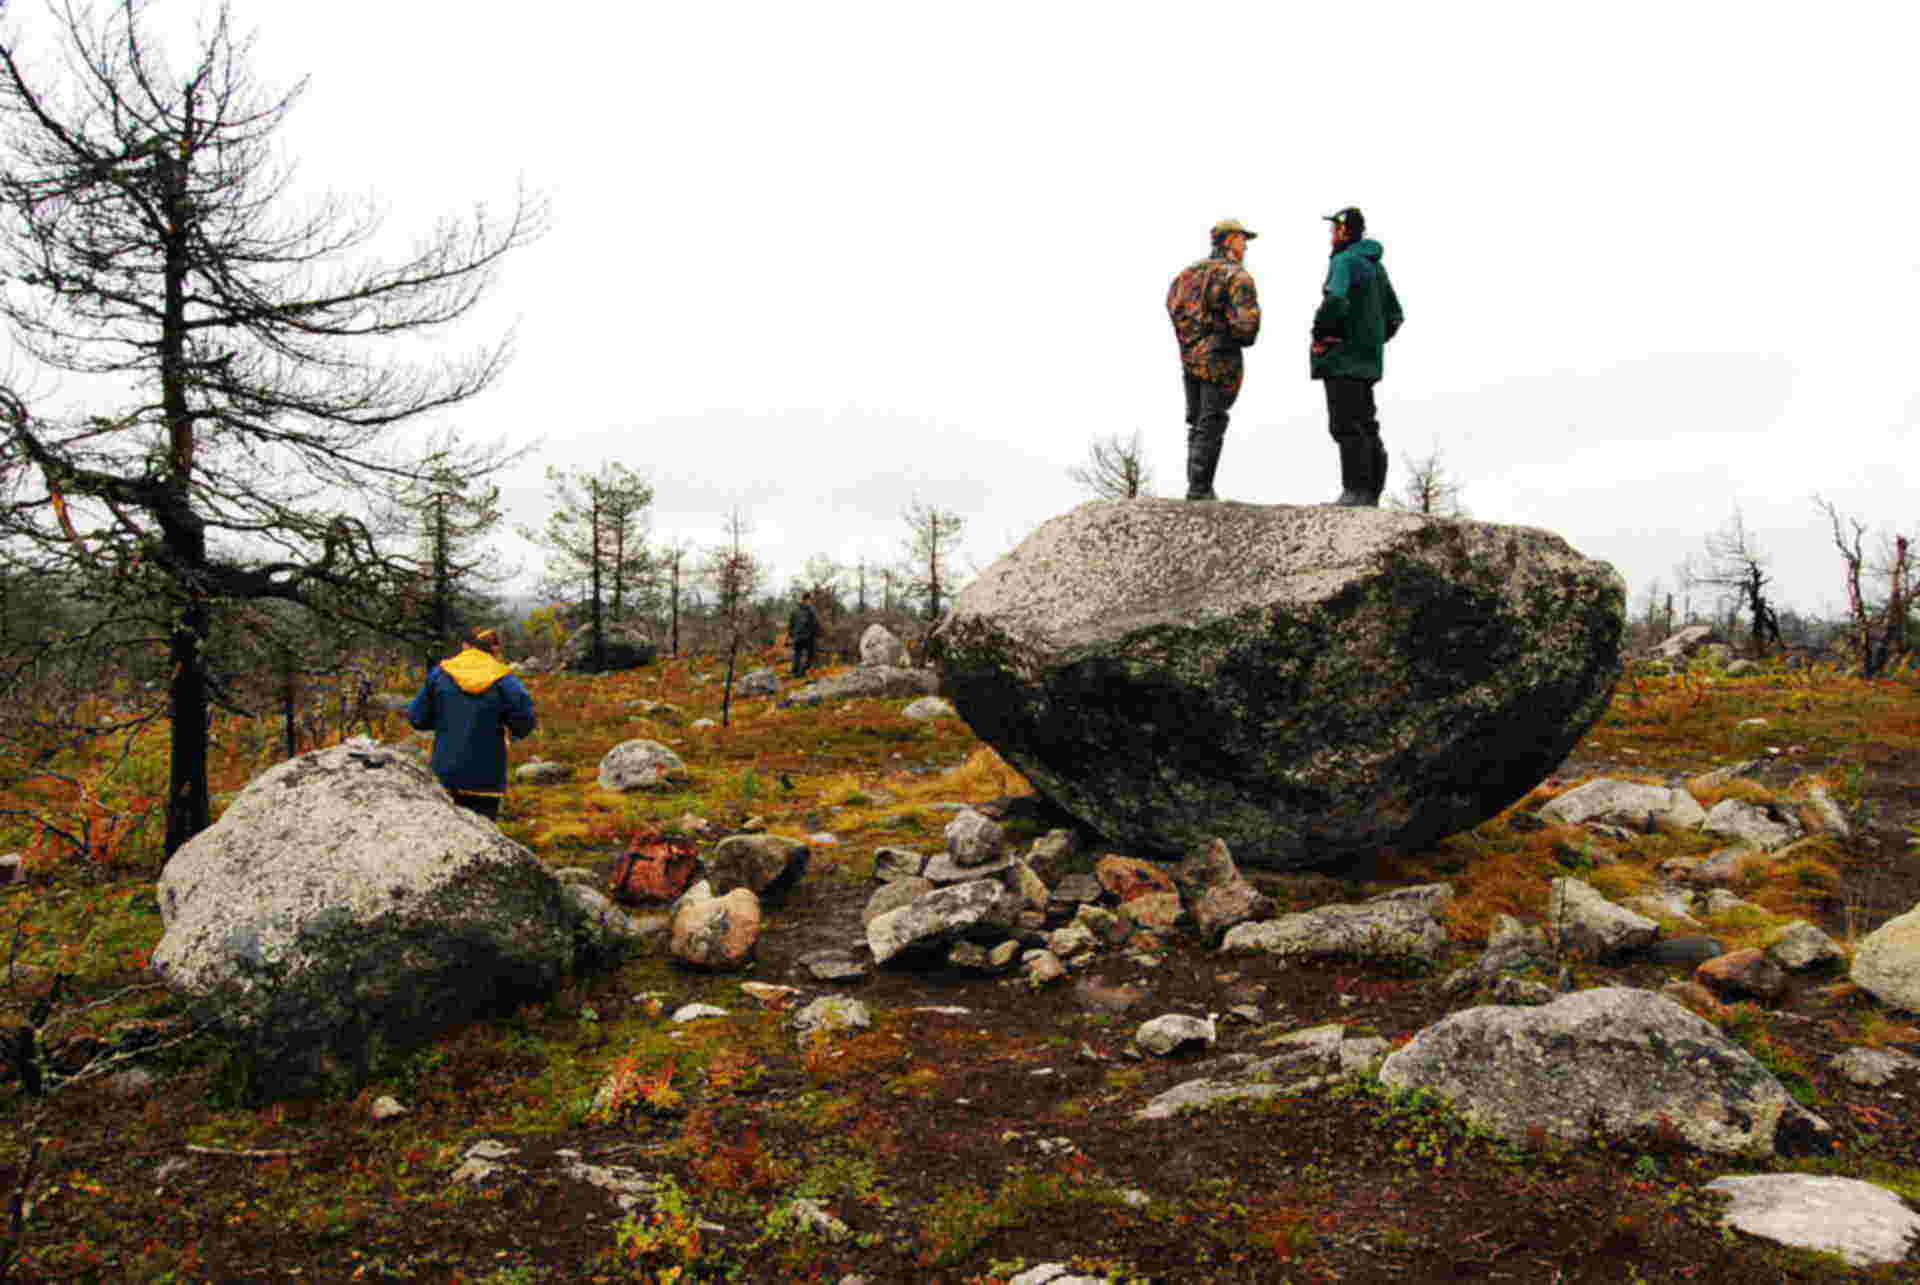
(1224, 226)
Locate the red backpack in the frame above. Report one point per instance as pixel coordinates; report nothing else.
(655, 867)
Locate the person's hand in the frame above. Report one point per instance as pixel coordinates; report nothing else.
(1321, 347)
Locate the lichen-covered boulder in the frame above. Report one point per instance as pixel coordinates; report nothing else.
(880, 646)
(1308, 684)
(640, 764)
(874, 682)
(343, 905)
(1887, 962)
(1611, 1062)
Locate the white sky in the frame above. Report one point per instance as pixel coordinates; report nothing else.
(815, 259)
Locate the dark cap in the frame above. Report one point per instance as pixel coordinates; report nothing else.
(1349, 218)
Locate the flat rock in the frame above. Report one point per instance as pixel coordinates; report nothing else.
(893, 895)
(1872, 1068)
(1627, 803)
(982, 909)
(1763, 827)
(881, 682)
(1886, 963)
(1391, 930)
(1862, 1222)
(1590, 925)
(1168, 673)
(835, 965)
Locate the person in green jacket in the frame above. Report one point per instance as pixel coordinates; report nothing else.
(1358, 314)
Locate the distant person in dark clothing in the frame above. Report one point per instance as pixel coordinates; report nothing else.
(1358, 314)
(803, 631)
(1215, 312)
(471, 703)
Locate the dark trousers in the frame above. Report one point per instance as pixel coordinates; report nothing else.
(1354, 424)
(805, 651)
(487, 805)
(1207, 407)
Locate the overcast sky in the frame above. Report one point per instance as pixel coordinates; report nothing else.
(815, 260)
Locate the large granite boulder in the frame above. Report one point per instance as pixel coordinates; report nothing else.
(874, 682)
(343, 905)
(1886, 963)
(1309, 684)
(621, 647)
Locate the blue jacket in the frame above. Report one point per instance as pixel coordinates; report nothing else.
(465, 703)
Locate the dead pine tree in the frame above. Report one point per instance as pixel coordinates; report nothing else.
(233, 346)
(1736, 566)
(734, 575)
(1115, 468)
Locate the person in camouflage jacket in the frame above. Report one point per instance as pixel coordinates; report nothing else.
(1215, 312)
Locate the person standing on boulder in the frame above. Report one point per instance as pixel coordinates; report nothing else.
(1215, 312)
(471, 703)
(803, 631)
(1358, 314)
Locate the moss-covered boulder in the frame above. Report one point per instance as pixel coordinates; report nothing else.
(343, 906)
(1309, 684)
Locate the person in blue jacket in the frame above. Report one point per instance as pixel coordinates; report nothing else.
(470, 703)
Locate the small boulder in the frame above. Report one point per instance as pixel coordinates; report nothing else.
(928, 708)
(1391, 930)
(1862, 1222)
(1125, 878)
(1801, 946)
(1155, 911)
(1173, 1033)
(1886, 963)
(830, 1014)
(973, 839)
(767, 863)
(897, 863)
(1589, 924)
(866, 683)
(1052, 852)
(832, 965)
(1627, 803)
(1746, 972)
(880, 646)
(1226, 905)
(717, 932)
(641, 765)
(542, 772)
(1872, 1068)
(1207, 865)
(1763, 827)
(1042, 967)
(980, 909)
(893, 895)
(758, 682)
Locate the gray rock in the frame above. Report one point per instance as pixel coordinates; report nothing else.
(1042, 967)
(1621, 1059)
(694, 1012)
(877, 683)
(1207, 865)
(1304, 1060)
(1462, 661)
(640, 765)
(1886, 963)
(1862, 1222)
(1071, 941)
(605, 933)
(770, 864)
(1171, 1033)
(1056, 1274)
(1763, 827)
(1513, 949)
(1051, 852)
(1225, 906)
(1684, 643)
(542, 772)
(1590, 925)
(1871, 1068)
(1666, 902)
(483, 1160)
(892, 896)
(982, 909)
(1826, 812)
(342, 899)
(1397, 930)
(829, 1014)
(897, 863)
(835, 965)
(1801, 946)
(623, 646)
(1627, 803)
(928, 708)
(880, 647)
(758, 682)
(943, 869)
(1076, 890)
(974, 839)
(1719, 901)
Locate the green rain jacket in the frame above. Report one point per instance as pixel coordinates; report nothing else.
(1357, 307)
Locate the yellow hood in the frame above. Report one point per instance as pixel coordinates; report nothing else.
(474, 670)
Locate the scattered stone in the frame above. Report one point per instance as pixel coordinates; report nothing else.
(1801, 946)
(1051, 851)
(973, 839)
(1091, 992)
(628, 1187)
(1071, 891)
(1826, 814)
(894, 895)
(1665, 903)
(1763, 827)
(1446, 652)
(1862, 1222)
(1225, 905)
(835, 966)
(758, 682)
(694, 1012)
(483, 1160)
(982, 908)
(897, 863)
(1742, 669)
(1073, 941)
(865, 683)
(1305, 1060)
(1628, 803)
(1055, 1274)
(830, 1014)
(1107, 927)
(881, 647)
(1613, 1058)
(1159, 911)
(1175, 1032)
(771, 996)
(542, 772)
(641, 765)
(1719, 868)
(1886, 963)
(1124, 878)
(769, 864)
(717, 932)
(1508, 989)
(1872, 1068)
(1743, 972)
(928, 708)
(1043, 967)
(1392, 930)
(1590, 925)
(1207, 865)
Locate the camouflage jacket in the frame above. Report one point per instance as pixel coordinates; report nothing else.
(1215, 313)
